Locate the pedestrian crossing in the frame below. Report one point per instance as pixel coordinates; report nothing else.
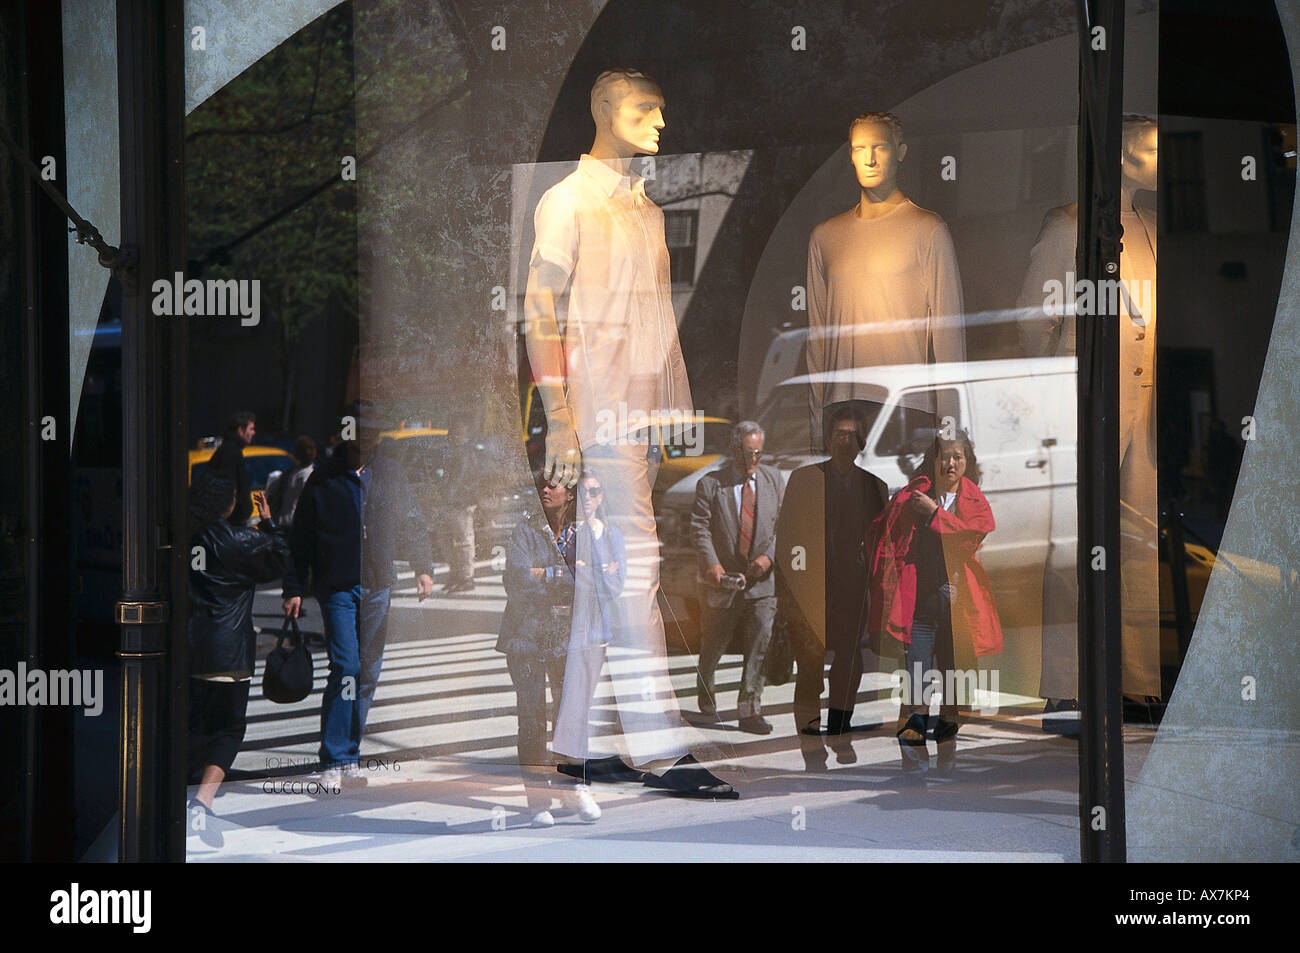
(445, 692)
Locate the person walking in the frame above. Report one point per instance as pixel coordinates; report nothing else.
(229, 561)
(534, 635)
(228, 460)
(284, 489)
(353, 520)
(928, 589)
(733, 526)
(822, 579)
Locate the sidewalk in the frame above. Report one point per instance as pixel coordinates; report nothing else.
(442, 783)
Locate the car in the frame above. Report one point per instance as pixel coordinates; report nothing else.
(698, 443)
(1021, 415)
(424, 451)
(261, 461)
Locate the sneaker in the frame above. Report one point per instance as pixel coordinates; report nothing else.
(354, 775)
(579, 799)
(332, 778)
(546, 819)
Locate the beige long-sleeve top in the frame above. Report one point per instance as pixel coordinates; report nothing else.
(882, 291)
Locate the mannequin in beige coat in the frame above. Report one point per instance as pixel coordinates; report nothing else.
(1133, 300)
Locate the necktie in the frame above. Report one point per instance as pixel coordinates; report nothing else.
(746, 519)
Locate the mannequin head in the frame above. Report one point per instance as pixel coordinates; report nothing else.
(1139, 152)
(876, 148)
(627, 107)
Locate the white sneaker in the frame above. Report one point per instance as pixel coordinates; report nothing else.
(544, 819)
(579, 799)
(331, 778)
(354, 775)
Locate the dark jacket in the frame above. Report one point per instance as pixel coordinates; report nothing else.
(804, 573)
(538, 611)
(236, 558)
(334, 548)
(228, 461)
(715, 527)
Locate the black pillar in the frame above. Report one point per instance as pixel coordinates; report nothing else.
(1101, 747)
(150, 43)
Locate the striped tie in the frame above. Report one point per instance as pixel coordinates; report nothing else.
(746, 519)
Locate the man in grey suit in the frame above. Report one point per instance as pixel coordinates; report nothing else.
(733, 524)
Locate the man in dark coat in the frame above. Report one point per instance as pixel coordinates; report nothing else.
(353, 520)
(228, 461)
(822, 570)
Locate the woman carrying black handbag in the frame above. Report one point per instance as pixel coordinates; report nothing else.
(227, 563)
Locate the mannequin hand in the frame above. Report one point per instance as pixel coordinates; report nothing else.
(563, 458)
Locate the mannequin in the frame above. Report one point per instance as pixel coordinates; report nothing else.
(883, 283)
(1053, 256)
(602, 342)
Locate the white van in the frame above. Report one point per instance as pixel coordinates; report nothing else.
(1021, 418)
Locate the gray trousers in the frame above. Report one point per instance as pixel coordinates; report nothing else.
(754, 617)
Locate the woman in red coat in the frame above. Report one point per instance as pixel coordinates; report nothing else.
(927, 588)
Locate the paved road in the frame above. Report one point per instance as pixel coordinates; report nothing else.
(442, 783)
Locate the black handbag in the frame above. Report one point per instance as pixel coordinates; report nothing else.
(778, 667)
(288, 674)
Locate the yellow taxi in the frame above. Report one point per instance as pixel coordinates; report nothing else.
(260, 460)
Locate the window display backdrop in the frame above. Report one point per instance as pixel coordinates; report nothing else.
(473, 117)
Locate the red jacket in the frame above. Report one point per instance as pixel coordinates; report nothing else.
(893, 577)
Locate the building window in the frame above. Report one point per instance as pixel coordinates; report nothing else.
(1184, 182)
(681, 229)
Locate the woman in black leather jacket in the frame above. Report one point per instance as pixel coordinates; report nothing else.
(232, 560)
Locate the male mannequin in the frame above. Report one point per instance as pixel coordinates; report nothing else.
(602, 342)
(1052, 257)
(883, 285)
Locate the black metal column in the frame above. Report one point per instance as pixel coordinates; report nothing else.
(1101, 748)
(150, 43)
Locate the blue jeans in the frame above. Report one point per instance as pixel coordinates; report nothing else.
(931, 648)
(356, 626)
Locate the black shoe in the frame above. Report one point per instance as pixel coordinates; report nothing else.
(755, 725)
(912, 734)
(838, 723)
(1067, 722)
(944, 730)
(601, 770)
(687, 779)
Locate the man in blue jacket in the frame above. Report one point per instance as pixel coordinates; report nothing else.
(353, 520)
